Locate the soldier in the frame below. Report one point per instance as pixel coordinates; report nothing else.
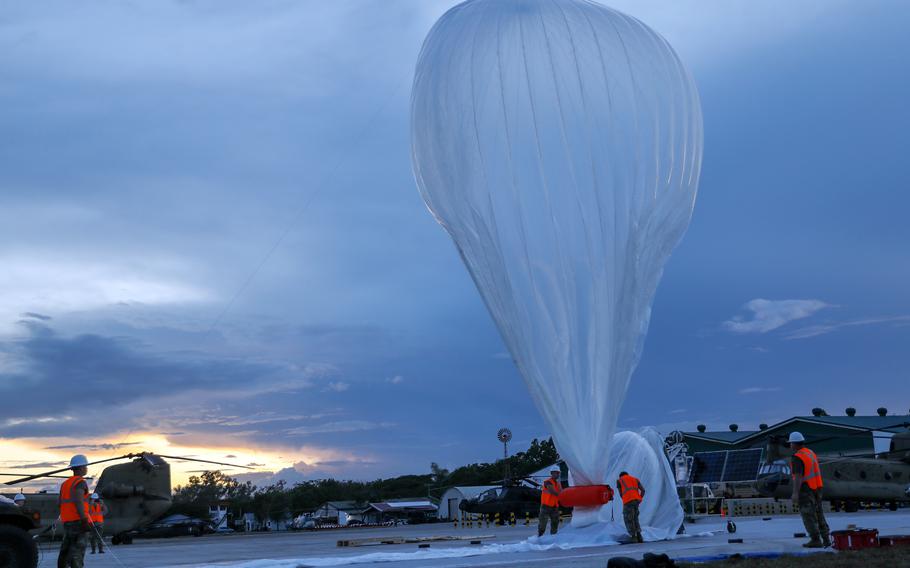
(807, 491)
(19, 499)
(549, 503)
(75, 515)
(97, 510)
(632, 492)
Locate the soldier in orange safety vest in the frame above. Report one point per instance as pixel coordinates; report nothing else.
(632, 492)
(807, 491)
(549, 503)
(97, 509)
(74, 514)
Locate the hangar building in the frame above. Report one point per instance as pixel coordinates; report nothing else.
(448, 503)
(832, 435)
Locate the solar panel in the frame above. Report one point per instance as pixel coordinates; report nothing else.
(742, 465)
(708, 467)
(729, 465)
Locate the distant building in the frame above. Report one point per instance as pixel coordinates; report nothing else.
(411, 510)
(540, 475)
(452, 498)
(249, 523)
(830, 435)
(219, 515)
(341, 512)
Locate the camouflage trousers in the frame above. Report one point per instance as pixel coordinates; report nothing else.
(630, 518)
(97, 536)
(547, 513)
(810, 509)
(72, 549)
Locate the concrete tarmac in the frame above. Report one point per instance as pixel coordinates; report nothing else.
(318, 548)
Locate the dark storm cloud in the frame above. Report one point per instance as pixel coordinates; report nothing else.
(67, 379)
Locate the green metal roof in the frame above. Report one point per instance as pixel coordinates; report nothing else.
(886, 423)
(725, 436)
(856, 423)
(892, 424)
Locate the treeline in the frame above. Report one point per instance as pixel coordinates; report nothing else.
(280, 500)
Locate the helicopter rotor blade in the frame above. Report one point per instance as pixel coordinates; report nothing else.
(19, 474)
(61, 470)
(203, 461)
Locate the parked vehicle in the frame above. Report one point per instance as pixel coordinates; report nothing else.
(175, 525)
(17, 548)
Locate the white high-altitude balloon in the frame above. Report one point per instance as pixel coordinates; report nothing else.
(559, 143)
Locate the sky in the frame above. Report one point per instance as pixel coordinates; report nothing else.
(212, 243)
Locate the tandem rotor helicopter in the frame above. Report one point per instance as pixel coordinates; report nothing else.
(137, 493)
(882, 477)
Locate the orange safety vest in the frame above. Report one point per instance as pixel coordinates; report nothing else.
(812, 473)
(68, 511)
(96, 510)
(546, 498)
(629, 489)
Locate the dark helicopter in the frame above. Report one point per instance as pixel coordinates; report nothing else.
(504, 500)
(848, 480)
(519, 495)
(137, 493)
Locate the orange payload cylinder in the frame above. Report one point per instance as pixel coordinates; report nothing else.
(586, 496)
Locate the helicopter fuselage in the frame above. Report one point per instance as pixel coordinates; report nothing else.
(849, 479)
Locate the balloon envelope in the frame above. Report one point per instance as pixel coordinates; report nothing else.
(559, 144)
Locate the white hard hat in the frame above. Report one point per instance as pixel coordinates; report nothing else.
(795, 437)
(19, 497)
(554, 468)
(95, 496)
(78, 460)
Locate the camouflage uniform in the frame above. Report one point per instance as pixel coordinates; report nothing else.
(630, 518)
(72, 549)
(810, 508)
(96, 537)
(551, 513)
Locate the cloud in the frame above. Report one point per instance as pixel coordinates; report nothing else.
(336, 427)
(768, 315)
(46, 464)
(337, 386)
(303, 471)
(822, 329)
(396, 380)
(114, 372)
(35, 316)
(94, 447)
(64, 283)
(756, 390)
